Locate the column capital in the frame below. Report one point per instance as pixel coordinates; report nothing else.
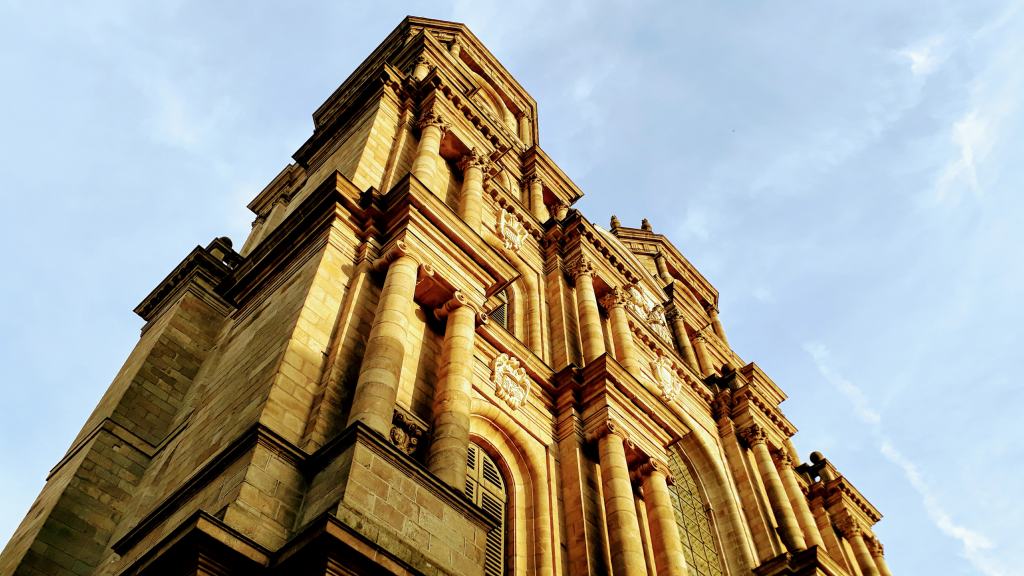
(458, 300)
(753, 435)
(783, 458)
(431, 118)
(534, 179)
(875, 547)
(610, 427)
(397, 250)
(849, 527)
(721, 406)
(475, 159)
(653, 465)
(617, 298)
(582, 267)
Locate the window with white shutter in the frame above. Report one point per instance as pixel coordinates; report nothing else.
(486, 488)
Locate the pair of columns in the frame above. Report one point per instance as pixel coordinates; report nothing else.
(621, 519)
(377, 387)
(473, 165)
(868, 552)
(796, 525)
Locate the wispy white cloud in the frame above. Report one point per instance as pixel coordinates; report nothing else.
(924, 57)
(975, 547)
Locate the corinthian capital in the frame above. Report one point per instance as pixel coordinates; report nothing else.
(431, 118)
(583, 267)
(875, 547)
(753, 435)
(849, 527)
(475, 159)
(617, 297)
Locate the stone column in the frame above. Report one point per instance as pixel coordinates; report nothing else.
(662, 265)
(716, 324)
(373, 402)
(447, 456)
(432, 129)
(421, 68)
(625, 351)
(586, 306)
(624, 542)
(668, 547)
(798, 501)
(878, 553)
(851, 530)
(683, 339)
(524, 131)
(789, 530)
(703, 360)
(471, 202)
(537, 207)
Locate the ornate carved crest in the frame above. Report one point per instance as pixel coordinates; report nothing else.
(511, 383)
(666, 378)
(511, 231)
(656, 320)
(406, 432)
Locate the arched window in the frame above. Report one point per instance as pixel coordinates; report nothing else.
(486, 488)
(693, 519)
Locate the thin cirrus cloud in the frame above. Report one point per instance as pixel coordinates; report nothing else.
(975, 546)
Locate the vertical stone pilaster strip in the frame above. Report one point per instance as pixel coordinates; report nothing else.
(447, 456)
(789, 530)
(668, 547)
(591, 332)
(377, 387)
(855, 536)
(627, 553)
(799, 502)
(432, 129)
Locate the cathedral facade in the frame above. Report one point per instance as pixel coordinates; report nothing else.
(423, 360)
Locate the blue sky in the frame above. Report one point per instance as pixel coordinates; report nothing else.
(849, 175)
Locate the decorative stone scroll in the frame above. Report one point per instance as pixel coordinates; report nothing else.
(511, 231)
(666, 378)
(511, 383)
(406, 432)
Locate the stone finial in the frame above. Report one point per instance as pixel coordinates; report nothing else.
(645, 225)
(615, 222)
(753, 435)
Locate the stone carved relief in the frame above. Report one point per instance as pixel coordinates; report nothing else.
(666, 377)
(511, 231)
(511, 383)
(406, 432)
(657, 321)
(646, 307)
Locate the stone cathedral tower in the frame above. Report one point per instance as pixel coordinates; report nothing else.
(424, 361)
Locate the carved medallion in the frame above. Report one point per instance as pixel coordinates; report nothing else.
(511, 231)
(666, 377)
(511, 383)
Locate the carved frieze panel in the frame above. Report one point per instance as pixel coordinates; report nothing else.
(511, 383)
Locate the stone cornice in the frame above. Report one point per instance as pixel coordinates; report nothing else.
(201, 272)
(841, 494)
(462, 259)
(650, 243)
(747, 396)
(537, 163)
